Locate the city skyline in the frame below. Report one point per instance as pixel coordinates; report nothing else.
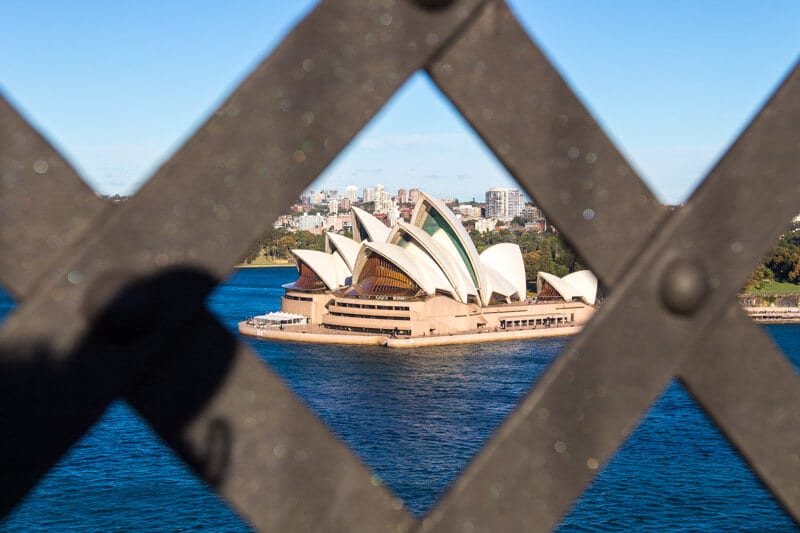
(331, 209)
(672, 85)
(353, 191)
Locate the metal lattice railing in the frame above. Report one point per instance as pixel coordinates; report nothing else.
(125, 285)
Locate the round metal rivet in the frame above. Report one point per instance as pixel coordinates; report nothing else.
(684, 286)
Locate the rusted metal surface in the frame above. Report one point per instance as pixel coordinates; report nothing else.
(126, 285)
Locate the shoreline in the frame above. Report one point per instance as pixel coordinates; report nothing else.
(319, 335)
(774, 315)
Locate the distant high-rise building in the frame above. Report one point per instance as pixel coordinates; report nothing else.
(413, 195)
(352, 193)
(379, 199)
(333, 206)
(468, 211)
(383, 200)
(402, 196)
(504, 203)
(344, 204)
(532, 213)
(393, 215)
(369, 194)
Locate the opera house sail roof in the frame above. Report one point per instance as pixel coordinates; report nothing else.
(421, 283)
(431, 255)
(366, 227)
(581, 285)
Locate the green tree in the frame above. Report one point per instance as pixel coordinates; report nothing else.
(532, 262)
(760, 277)
(284, 244)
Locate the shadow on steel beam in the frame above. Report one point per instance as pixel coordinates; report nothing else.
(154, 344)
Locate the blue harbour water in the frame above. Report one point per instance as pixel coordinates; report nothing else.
(416, 417)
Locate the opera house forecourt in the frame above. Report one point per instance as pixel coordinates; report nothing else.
(420, 283)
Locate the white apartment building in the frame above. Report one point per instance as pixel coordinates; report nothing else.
(383, 200)
(504, 203)
(369, 194)
(308, 222)
(402, 196)
(482, 225)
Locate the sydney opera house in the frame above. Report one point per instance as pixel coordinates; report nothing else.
(422, 278)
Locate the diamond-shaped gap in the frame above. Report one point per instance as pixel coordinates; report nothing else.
(415, 415)
(677, 472)
(120, 476)
(660, 79)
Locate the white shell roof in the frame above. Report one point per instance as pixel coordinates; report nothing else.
(496, 283)
(417, 266)
(506, 259)
(581, 284)
(347, 248)
(330, 268)
(585, 282)
(376, 230)
(443, 260)
(462, 236)
(453, 270)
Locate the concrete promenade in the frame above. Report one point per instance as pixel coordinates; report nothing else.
(316, 334)
(774, 315)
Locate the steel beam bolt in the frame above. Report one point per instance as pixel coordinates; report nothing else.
(684, 286)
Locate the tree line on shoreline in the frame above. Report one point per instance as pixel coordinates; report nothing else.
(546, 251)
(781, 264)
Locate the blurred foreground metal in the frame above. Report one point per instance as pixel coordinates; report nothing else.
(111, 298)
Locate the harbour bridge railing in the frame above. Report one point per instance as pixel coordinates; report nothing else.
(111, 297)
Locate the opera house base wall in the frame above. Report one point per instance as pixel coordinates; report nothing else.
(441, 315)
(310, 305)
(433, 321)
(306, 334)
(489, 336)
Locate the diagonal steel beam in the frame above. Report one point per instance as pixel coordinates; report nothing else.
(269, 140)
(552, 146)
(752, 393)
(505, 87)
(44, 205)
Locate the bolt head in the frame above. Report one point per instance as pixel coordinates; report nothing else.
(684, 286)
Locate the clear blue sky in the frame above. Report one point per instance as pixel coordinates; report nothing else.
(118, 86)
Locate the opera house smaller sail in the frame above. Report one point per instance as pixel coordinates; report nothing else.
(581, 285)
(423, 282)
